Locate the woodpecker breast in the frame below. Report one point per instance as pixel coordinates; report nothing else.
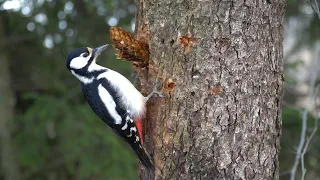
(131, 98)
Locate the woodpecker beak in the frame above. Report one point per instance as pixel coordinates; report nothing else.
(97, 51)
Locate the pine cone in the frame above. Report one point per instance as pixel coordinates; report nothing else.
(129, 48)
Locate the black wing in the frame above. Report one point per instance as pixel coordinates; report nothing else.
(127, 129)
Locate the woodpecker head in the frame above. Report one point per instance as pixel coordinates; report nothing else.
(83, 60)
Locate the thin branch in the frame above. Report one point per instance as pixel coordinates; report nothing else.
(311, 96)
(312, 6)
(312, 133)
(304, 126)
(315, 7)
(303, 144)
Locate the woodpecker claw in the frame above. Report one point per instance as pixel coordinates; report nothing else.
(160, 94)
(155, 90)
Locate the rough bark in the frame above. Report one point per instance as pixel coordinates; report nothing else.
(223, 118)
(9, 165)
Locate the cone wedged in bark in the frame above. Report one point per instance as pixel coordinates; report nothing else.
(130, 48)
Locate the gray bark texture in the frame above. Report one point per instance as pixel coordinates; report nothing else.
(221, 65)
(9, 165)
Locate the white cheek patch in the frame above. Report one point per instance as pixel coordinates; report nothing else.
(79, 62)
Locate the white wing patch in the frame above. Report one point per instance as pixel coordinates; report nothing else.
(109, 104)
(125, 126)
(131, 98)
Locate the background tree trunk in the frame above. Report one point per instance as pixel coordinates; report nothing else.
(223, 118)
(9, 165)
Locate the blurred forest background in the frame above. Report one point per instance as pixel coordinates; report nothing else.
(49, 132)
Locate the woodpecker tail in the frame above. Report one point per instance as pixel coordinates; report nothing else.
(145, 159)
(141, 152)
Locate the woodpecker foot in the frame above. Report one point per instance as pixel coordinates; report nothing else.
(155, 90)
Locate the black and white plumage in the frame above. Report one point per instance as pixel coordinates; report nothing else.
(112, 97)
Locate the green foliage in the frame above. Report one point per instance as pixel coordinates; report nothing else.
(57, 130)
(56, 134)
(292, 120)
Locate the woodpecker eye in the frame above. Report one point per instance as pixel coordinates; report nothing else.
(85, 54)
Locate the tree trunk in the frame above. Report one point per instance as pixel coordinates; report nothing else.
(221, 63)
(9, 165)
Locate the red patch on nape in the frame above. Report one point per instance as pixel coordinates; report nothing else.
(139, 127)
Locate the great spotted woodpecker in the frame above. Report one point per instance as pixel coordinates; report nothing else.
(112, 97)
